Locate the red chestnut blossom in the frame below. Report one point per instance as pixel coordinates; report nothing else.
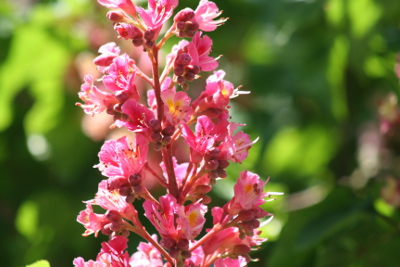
(158, 122)
(158, 13)
(191, 219)
(176, 106)
(125, 5)
(146, 256)
(121, 78)
(108, 51)
(96, 101)
(112, 254)
(206, 12)
(228, 262)
(162, 216)
(93, 222)
(121, 159)
(199, 49)
(139, 117)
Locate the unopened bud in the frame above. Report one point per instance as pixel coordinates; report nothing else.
(125, 232)
(117, 107)
(158, 146)
(137, 42)
(168, 243)
(241, 249)
(155, 125)
(246, 215)
(130, 198)
(189, 76)
(121, 96)
(195, 69)
(184, 15)
(212, 164)
(222, 173)
(183, 59)
(178, 71)
(166, 140)
(174, 253)
(223, 164)
(183, 244)
(168, 130)
(203, 189)
(115, 226)
(156, 137)
(138, 189)
(116, 183)
(125, 190)
(180, 80)
(186, 254)
(135, 179)
(110, 110)
(205, 199)
(113, 215)
(255, 223)
(149, 44)
(116, 16)
(185, 87)
(149, 35)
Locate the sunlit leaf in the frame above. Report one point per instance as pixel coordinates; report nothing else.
(41, 263)
(27, 219)
(363, 14)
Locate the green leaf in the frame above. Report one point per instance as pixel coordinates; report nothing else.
(41, 263)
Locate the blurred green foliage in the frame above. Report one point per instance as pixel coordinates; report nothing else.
(317, 70)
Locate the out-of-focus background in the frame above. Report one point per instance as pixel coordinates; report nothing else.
(323, 102)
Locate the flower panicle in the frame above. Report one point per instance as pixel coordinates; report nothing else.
(150, 152)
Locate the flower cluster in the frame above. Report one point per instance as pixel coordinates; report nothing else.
(157, 120)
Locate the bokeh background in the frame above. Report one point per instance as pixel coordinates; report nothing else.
(323, 103)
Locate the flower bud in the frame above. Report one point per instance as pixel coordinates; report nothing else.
(183, 244)
(138, 189)
(184, 15)
(174, 253)
(156, 137)
(121, 96)
(116, 16)
(137, 42)
(205, 199)
(183, 59)
(211, 164)
(155, 125)
(166, 140)
(186, 254)
(117, 107)
(168, 131)
(116, 183)
(149, 35)
(178, 71)
(203, 189)
(223, 164)
(113, 215)
(130, 198)
(189, 76)
(158, 146)
(168, 243)
(125, 232)
(180, 80)
(241, 249)
(246, 215)
(222, 173)
(135, 179)
(125, 190)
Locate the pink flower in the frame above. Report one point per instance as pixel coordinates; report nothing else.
(125, 5)
(202, 141)
(112, 254)
(121, 78)
(206, 12)
(248, 193)
(112, 200)
(191, 219)
(236, 145)
(176, 106)
(146, 256)
(108, 51)
(228, 262)
(93, 222)
(179, 169)
(162, 216)
(139, 117)
(199, 49)
(121, 159)
(217, 94)
(96, 101)
(158, 12)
